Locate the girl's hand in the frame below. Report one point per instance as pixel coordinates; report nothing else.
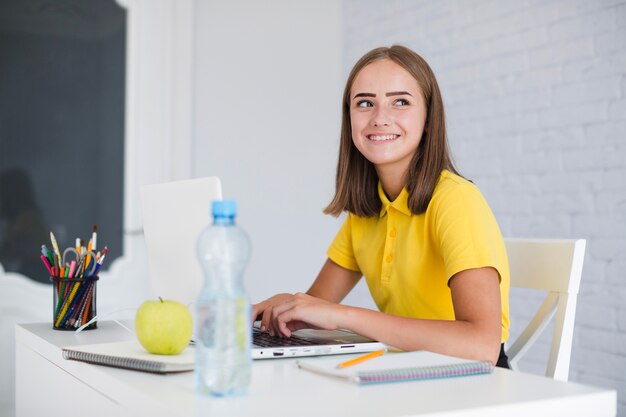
(265, 308)
(303, 311)
(331, 285)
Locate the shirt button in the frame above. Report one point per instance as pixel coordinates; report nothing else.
(389, 258)
(393, 233)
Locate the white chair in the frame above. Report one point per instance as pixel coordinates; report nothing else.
(554, 266)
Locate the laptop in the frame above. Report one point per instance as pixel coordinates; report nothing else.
(174, 214)
(310, 342)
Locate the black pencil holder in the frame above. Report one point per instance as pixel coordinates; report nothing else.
(73, 302)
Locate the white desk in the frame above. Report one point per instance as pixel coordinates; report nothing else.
(46, 384)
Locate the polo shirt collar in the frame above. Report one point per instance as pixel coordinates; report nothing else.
(400, 203)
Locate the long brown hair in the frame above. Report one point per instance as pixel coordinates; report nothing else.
(356, 182)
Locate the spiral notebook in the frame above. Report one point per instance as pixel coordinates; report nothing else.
(131, 355)
(398, 367)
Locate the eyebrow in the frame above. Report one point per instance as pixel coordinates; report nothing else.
(364, 95)
(399, 93)
(391, 93)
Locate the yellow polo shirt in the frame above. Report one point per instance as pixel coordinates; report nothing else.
(408, 259)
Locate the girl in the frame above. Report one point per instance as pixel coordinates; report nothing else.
(424, 237)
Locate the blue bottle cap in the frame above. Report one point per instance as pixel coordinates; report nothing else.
(224, 208)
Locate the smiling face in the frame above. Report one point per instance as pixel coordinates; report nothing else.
(387, 116)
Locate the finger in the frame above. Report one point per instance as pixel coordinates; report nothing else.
(265, 319)
(255, 312)
(284, 329)
(259, 309)
(276, 312)
(289, 320)
(262, 310)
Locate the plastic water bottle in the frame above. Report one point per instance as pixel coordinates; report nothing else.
(223, 322)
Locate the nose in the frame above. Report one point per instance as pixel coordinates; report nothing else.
(380, 117)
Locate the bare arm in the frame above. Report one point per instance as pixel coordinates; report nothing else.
(475, 334)
(333, 282)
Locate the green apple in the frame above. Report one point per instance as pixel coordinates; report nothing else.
(163, 326)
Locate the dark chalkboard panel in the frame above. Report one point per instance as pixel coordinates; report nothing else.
(62, 89)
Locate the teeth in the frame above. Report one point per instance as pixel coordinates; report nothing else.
(382, 137)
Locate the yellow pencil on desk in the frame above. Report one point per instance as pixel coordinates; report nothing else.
(360, 359)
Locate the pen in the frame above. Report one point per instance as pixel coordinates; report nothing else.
(360, 359)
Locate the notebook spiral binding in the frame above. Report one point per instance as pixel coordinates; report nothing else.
(431, 372)
(117, 362)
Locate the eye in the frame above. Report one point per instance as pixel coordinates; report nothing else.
(364, 103)
(401, 102)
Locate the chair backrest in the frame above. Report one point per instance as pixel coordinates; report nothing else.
(554, 266)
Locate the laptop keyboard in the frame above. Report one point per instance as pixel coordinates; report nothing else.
(265, 340)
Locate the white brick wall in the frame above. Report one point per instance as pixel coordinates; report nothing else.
(535, 93)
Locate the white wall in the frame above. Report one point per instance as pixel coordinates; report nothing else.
(535, 93)
(268, 88)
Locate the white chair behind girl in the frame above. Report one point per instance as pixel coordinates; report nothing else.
(554, 266)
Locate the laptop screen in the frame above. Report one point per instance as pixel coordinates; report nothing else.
(174, 213)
